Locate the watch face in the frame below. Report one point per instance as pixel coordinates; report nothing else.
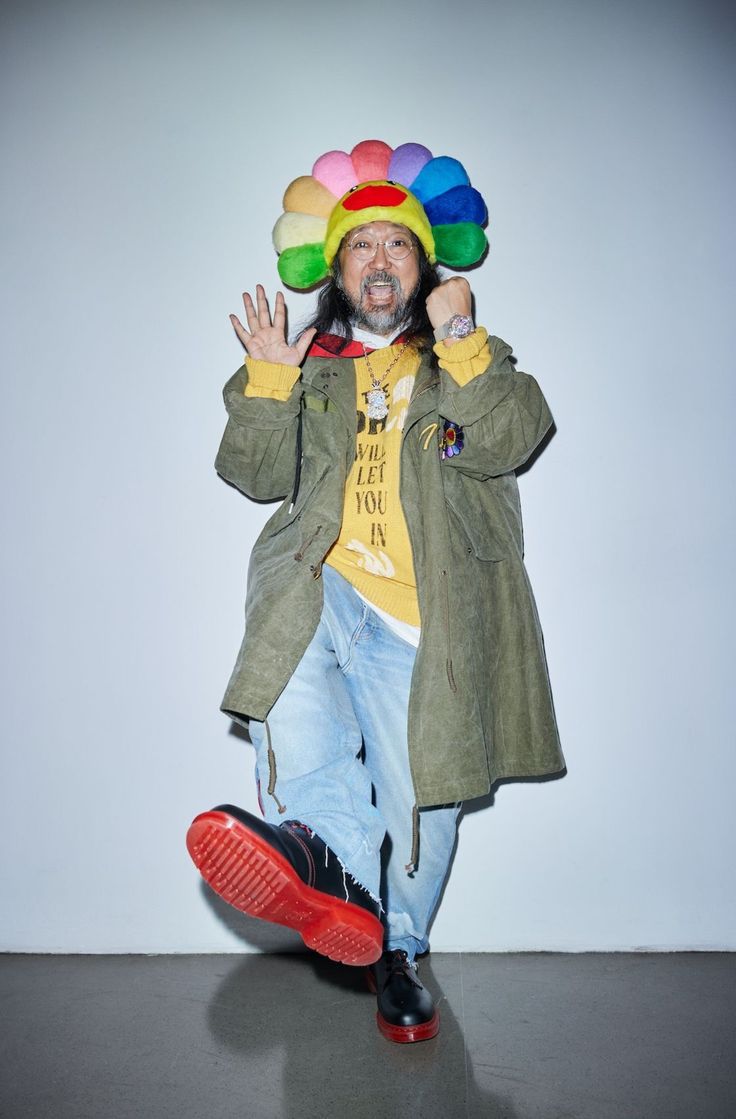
(460, 326)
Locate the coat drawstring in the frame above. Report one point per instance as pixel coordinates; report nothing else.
(272, 771)
(411, 866)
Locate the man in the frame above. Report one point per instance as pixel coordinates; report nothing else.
(392, 665)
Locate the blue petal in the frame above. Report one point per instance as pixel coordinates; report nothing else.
(437, 176)
(460, 203)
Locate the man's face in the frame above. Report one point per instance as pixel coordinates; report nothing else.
(380, 287)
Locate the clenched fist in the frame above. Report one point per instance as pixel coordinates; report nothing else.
(452, 297)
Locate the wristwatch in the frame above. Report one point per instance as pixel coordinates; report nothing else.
(459, 326)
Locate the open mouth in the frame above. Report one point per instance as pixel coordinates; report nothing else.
(380, 288)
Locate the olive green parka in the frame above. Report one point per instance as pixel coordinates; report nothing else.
(480, 706)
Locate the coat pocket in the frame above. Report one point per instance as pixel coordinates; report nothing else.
(485, 514)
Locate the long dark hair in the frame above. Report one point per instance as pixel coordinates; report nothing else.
(334, 312)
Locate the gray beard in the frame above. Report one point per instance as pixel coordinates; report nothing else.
(377, 322)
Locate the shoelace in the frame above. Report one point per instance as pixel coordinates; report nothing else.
(401, 965)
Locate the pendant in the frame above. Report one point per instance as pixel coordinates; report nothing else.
(377, 408)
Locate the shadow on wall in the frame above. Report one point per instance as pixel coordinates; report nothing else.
(479, 804)
(263, 936)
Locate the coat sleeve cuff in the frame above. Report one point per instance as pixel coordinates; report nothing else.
(269, 380)
(467, 358)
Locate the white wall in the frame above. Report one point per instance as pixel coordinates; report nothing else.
(145, 150)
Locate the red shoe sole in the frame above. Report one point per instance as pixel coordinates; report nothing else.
(421, 1032)
(404, 1034)
(249, 874)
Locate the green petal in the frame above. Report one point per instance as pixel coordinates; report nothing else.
(303, 266)
(459, 245)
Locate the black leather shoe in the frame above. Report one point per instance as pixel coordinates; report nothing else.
(406, 1010)
(286, 874)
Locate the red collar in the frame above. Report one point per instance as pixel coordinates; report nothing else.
(328, 345)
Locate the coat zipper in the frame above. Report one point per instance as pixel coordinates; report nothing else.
(299, 459)
(446, 608)
(300, 554)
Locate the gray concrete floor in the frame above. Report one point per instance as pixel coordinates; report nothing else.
(533, 1036)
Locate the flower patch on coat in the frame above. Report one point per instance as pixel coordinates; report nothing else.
(452, 439)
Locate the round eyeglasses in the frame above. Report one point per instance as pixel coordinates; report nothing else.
(364, 247)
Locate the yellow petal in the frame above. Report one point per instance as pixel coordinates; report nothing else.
(306, 196)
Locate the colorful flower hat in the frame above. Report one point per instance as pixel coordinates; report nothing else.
(431, 195)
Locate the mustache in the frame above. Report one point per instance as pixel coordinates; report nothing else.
(380, 277)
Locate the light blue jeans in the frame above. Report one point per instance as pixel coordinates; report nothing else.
(340, 758)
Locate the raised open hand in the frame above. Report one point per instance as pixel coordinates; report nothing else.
(266, 340)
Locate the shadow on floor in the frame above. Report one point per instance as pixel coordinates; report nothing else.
(272, 1008)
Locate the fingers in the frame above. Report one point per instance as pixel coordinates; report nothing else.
(250, 312)
(279, 313)
(261, 333)
(452, 297)
(305, 342)
(264, 315)
(259, 315)
(240, 330)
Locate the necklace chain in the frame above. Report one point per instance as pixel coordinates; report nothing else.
(375, 383)
(376, 403)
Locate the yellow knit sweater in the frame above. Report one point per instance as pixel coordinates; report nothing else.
(373, 550)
